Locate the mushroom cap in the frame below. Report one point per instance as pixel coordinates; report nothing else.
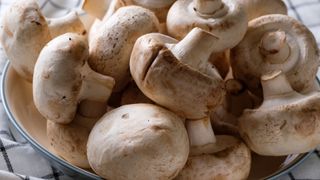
(57, 77)
(229, 28)
(110, 49)
(221, 61)
(24, 33)
(138, 141)
(70, 141)
(231, 163)
(283, 128)
(171, 83)
(257, 8)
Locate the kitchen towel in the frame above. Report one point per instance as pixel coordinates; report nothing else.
(19, 161)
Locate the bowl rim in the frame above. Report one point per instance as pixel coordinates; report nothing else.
(65, 164)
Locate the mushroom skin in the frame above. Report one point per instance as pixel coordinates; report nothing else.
(23, 34)
(226, 19)
(276, 42)
(257, 8)
(163, 76)
(25, 31)
(286, 123)
(70, 141)
(61, 79)
(138, 141)
(110, 49)
(232, 163)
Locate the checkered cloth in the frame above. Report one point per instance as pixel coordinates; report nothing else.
(19, 161)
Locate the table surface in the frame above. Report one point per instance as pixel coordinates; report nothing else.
(19, 161)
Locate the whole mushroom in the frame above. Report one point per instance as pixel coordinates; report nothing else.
(179, 77)
(138, 141)
(62, 81)
(286, 123)
(110, 49)
(25, 32)
(276, 42)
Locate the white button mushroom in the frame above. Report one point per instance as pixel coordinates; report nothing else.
(110, 49)
(138, 141)
(286, 123)
(179, 77)
(257, 8)
(25, 32)
(226, 19)
(276, 42)
(61, 80)
(233, 162)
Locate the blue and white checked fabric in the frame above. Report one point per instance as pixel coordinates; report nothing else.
(19, 161)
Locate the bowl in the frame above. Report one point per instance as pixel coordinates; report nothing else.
(16, 94)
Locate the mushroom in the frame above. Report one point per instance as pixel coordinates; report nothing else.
(138, 141)
(286, 123)
(257, 8)
(25, 32)
(233, 162)
(110, 49)
(221, 61)
(276, 42)
(133, 95)
(70, 140)
(226, 19)
(178, 76)
(61, 81)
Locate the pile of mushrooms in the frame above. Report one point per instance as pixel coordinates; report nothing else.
(169, 89)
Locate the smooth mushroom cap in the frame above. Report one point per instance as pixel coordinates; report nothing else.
(229, 24)
(111, 48)
(70, 141)
(231, 163)
(171, 83)
(57, 78)
(257, 8)
(138, 141)
(23, 34)
(286, 123)
(68, 23)
(276, 42)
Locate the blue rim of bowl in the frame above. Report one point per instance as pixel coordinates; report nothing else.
(29, 138)
(65, 164)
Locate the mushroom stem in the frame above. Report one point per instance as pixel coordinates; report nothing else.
(274, 47)
(212, 8)
(61, 25)
(95, 92)
(275, 84)
(195, 49)
(200, 132)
